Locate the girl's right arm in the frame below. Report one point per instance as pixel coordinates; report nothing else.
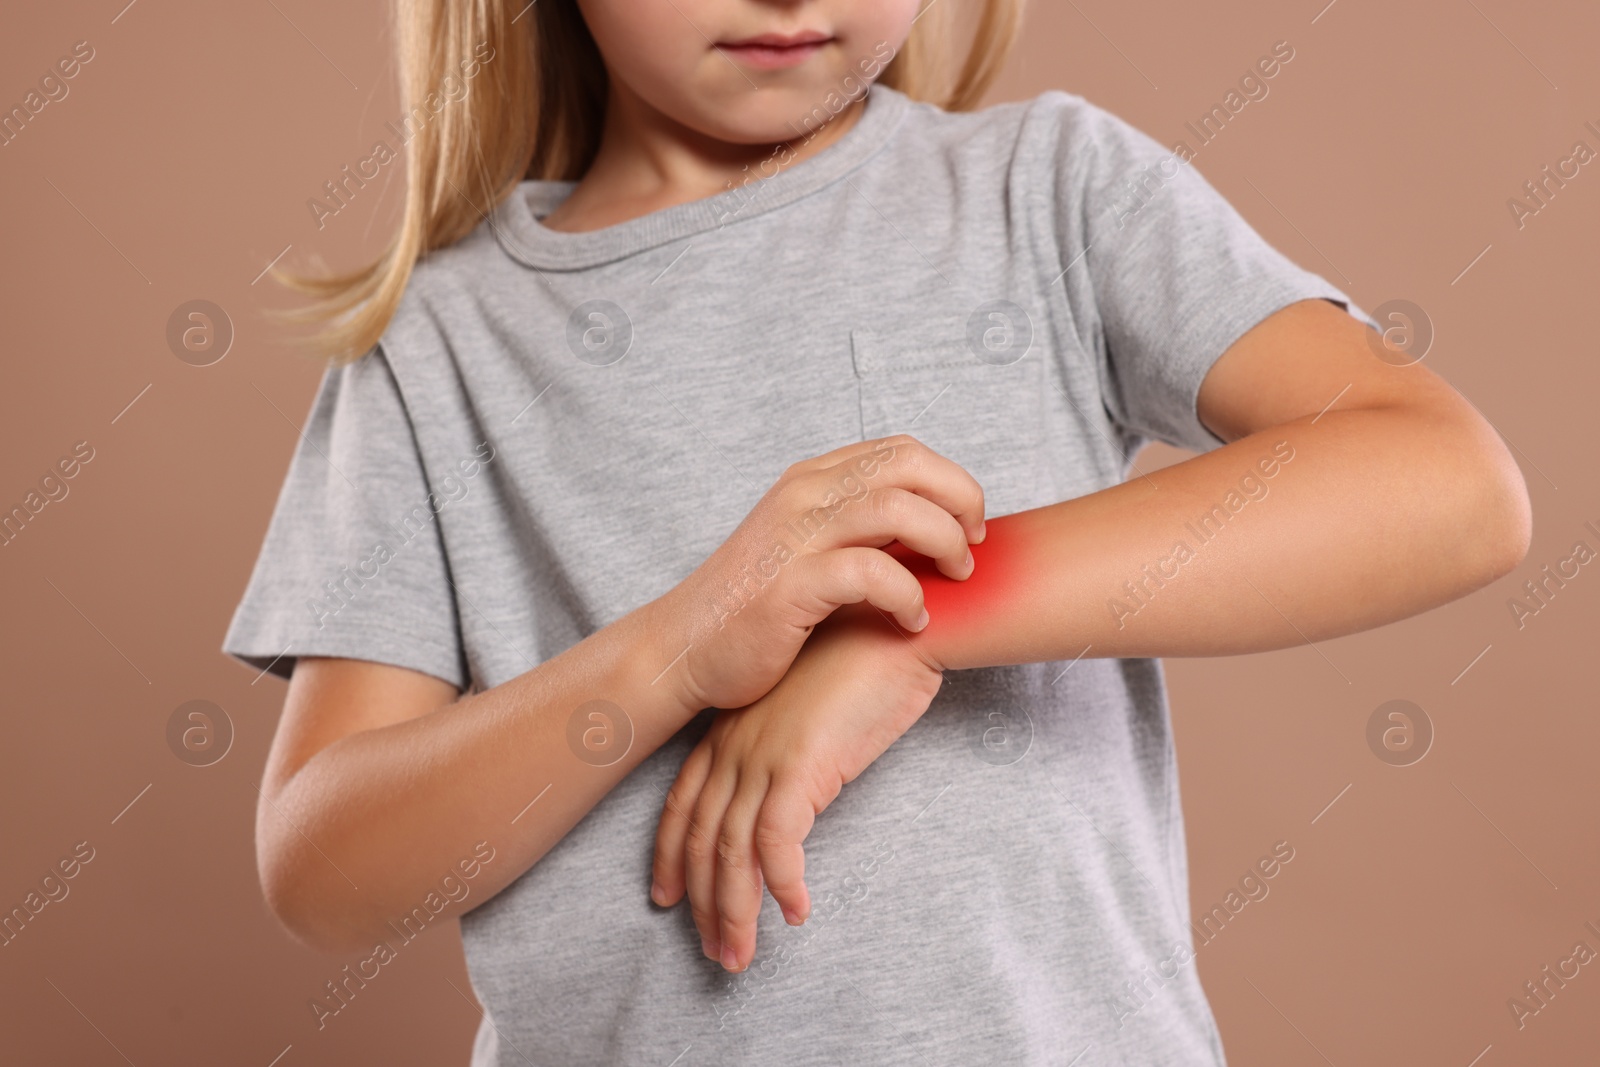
(381, 782)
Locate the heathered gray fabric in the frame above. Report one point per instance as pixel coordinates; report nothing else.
(968, 910)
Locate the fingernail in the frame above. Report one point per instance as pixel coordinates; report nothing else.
(708, 948)
(729, 960)
(983, 531)
(658, 894)
(971, 565)
(792, 917)
(922, 621)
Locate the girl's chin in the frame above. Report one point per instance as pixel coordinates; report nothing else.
(779, 116)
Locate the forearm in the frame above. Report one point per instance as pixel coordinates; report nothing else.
(372, 796)
(1376, 515)
(364, 832)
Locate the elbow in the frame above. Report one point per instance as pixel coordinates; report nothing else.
(1503, 520)
(306, 904)
(292, 902)
(1518, 536)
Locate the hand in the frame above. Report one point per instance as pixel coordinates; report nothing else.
(747, 796)
(815, 542)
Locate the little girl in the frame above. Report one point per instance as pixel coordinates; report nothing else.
(723, 360)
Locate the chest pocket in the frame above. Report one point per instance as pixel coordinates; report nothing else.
(987, 416)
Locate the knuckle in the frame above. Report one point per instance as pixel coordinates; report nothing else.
(699, 848)
(797, 472)
(770, 835)
(953, 531)
(729, 846)
(801, 495)
(736, 865)
(676, 804)
(805, 499)
(892, 505)
(872, 567)
(914, 449)
(780, 497)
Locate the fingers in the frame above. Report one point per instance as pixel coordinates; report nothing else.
(757, 844)
(853, 575)
(672, 833)
(738, 882)
(886, 515)
(781, 828)
(853, 450)
(903, 462)
(899, 461)
(724, 847)
(701, 861)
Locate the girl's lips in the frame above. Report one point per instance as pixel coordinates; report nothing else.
(772, 51)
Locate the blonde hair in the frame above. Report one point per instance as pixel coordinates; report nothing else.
(496, 97)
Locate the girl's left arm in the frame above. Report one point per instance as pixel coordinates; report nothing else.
(1350, 493)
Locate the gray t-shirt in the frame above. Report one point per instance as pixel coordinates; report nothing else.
(558, 427)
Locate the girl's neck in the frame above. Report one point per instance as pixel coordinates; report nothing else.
(648, 162)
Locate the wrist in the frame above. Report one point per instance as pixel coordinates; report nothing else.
(865, 623)
(993, 616)
(657, 648)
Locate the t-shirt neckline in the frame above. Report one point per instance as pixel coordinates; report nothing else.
(516, 225)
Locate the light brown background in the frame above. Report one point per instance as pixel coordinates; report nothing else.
(178, 168)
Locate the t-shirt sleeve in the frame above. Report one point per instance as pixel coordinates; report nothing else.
(353, 564)
(1161, 272)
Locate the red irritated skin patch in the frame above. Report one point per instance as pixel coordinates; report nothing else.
(969, 615)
